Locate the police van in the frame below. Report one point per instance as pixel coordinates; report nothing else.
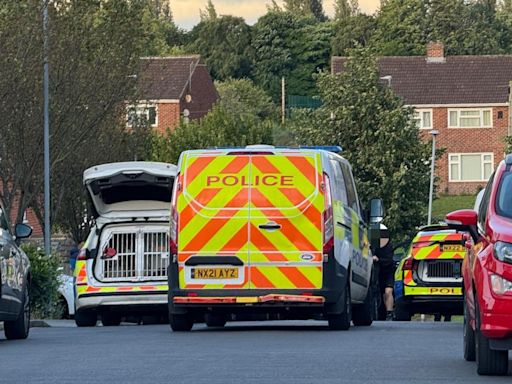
(274, 232)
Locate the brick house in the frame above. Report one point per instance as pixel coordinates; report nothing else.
(172, 88)
(465, 99)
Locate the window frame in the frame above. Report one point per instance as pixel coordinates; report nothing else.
(142, 109)
(459, 163)
(458, 110)
(420, 112)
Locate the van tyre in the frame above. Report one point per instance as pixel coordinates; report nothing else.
(85, 318)
(488, 361)
(19, 328)
(402, 313)
(214, 320)
(180, 323)
(469, 337)
(362, 314)
(341, 321)
(110, 319)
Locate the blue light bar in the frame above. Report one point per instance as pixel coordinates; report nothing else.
(329, 148)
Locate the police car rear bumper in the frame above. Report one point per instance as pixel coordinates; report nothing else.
(121, 299)
(449, 304)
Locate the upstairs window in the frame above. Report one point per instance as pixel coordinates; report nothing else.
(142, 114)
(470, 118)
(423, 118)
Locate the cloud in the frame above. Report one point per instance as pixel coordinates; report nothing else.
(186, 12)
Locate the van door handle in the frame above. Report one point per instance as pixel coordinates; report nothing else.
(270, 226)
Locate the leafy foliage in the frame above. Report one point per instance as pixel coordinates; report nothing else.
(378, 136)
(44, 294)
(217, 129)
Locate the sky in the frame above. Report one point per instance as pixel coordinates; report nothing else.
(186, 12)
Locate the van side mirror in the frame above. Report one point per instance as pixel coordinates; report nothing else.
(22, 231)
(464, 220)
(376, 210)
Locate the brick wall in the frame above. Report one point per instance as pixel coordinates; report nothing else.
(168, 115)
(31, 220)
(467, 140)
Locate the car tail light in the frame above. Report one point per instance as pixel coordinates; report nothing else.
(328, 217)
(408, 264)
(173, 233)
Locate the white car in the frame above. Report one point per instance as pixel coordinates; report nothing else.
(67, 296)
(122, 268)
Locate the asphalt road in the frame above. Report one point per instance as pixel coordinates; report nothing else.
(271, 352)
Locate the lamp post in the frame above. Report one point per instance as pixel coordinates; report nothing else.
(47, 239)
(434, 133)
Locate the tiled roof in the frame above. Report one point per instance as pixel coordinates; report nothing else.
(165, 77)
(455, 80)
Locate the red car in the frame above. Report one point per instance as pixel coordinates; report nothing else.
(487, 274)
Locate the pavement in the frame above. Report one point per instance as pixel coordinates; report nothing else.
(252, 352)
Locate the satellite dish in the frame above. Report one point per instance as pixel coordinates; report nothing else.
(186, 113)
(188, 98)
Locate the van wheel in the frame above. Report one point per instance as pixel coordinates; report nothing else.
(402, 314)
(110, 319)
(85, 318)
(180, 323)
(341, 321)
(214, 320)
(488, 361)
(363, 313)
(19, 328)
(469, 337)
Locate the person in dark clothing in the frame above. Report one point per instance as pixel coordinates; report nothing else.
(384, 257)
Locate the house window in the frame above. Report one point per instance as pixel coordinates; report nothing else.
(470, 166)
(423, 118)
(469, 118)
(141, 114)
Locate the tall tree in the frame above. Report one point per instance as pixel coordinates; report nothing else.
(343, 9)
(223, 43)
(306, 8)
(93, 60)
(401, 28)
(400, 172)
(351, 32)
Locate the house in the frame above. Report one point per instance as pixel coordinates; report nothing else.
(465, 99)
(172, 88)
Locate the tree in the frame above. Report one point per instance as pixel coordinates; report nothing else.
(290, 46)
(95, 50)
(218, 128)
(306, 8)
(351, 32)
(223, 44)
(378, 137)
(343, 9)
(243, 98)
(401, 28)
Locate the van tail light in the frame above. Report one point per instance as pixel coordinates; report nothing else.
(82, 255)
(328, 217)
(173, 233)
(408, 264)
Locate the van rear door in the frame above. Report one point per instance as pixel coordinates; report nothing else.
(213, 224)
(286, 235)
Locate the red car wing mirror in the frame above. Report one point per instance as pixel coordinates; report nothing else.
(464, 220)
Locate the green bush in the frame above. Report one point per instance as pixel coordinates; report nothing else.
(44, 294)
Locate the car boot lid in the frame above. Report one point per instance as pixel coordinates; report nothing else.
(130, 189)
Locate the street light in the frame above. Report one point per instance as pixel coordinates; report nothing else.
(47, 239)
(434, 133)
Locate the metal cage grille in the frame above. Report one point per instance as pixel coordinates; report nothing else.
(441, 270)
(139, 256)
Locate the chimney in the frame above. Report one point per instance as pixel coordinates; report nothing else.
(435, 52)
